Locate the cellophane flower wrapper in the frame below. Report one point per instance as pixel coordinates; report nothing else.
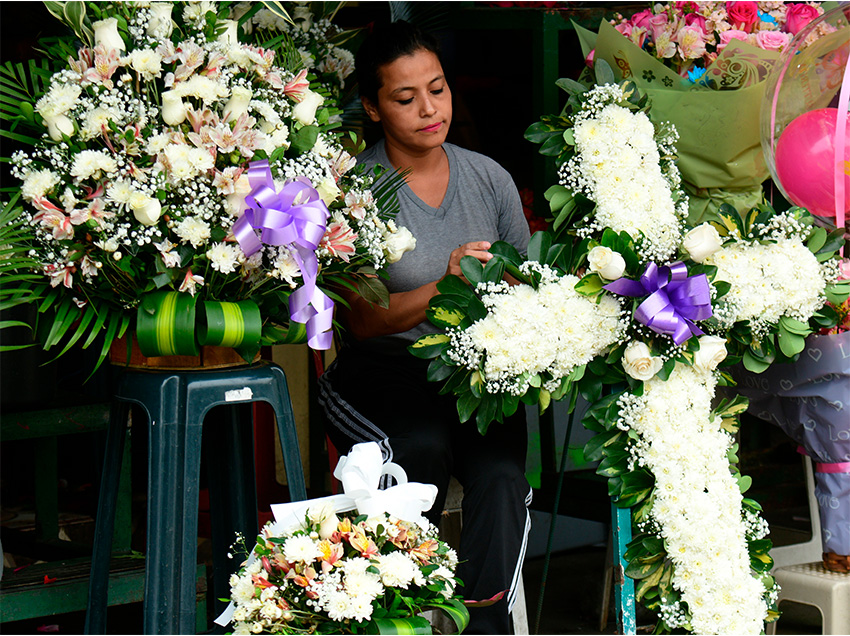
(810, 401)
(719, 148)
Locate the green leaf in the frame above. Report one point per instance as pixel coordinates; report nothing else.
(429, 346)
(444, 316)
(571, 86)
(506, 251)
(756, 365)
(439, 370)
(455, 610)
(411, 625)
(494, 270)
(466, 405)
(487, 411)
(590, 285)
(538, 246)
(303, 140)
(790, 343)
(594, 449)
(472, 269)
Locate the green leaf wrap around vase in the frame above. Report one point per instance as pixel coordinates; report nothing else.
(165, 325)
(227, 324)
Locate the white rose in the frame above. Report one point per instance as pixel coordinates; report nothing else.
(160, 25)
(305, 110)
(240, 97)
(59, 125)
(328, 190)
(173, 108)
(639, 362)
(106, 33)
(702, 241)
(231, 33)
(606, 262)
(712, 351)
(398, 243)
(146, 209)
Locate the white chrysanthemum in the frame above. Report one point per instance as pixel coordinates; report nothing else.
(337, 605)
(768, 282)
(38, 183)
(95, 121)
(119, 191)
(90, 163)
(301, 548)
(697, 503)
(224, 257)
(397, 569)
(618, 165)
(363, 584)
(204, 88)
(157, 143)
(186, 162)
(285, 267)
(146, 62)
(528, 332)
(59, 100)
(243, 591)
(193, 230)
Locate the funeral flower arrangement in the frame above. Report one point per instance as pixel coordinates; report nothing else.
(355, 562)
(334, 574)
(666, 305)
(160, 148)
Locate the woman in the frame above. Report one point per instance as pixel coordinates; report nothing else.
(456, 203)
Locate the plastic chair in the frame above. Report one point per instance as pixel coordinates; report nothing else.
(812, 549)
(811, 584)
(799, 571)
(176, 404)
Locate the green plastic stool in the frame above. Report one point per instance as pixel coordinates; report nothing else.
(177, 403)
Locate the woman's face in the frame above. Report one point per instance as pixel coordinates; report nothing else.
(414, 103)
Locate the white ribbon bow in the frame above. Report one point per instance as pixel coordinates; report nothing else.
(360, 473)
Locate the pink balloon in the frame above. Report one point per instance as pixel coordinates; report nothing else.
(805, 161)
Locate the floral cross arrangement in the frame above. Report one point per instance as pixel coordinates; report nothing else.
(354, 563)
(626, 305)
(173, 166)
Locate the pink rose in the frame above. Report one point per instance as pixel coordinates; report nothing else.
(728, 36)
(690, 5)
(695, 19)
(624, 27)
(742, 15)
(797, 16)
(657, 21)
(772, 40)
(642, 19)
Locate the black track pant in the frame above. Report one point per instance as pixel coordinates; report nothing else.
(386, 399)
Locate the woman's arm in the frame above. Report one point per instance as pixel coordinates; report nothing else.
(406, 309)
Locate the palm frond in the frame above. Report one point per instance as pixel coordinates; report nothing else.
(21, 85)
(385, 189)
(18, 277)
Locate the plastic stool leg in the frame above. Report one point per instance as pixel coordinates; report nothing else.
(229, 441)
(174, 461)
(105, 523)
(289, 439)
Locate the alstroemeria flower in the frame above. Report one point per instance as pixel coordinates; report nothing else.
(297, 87)
(54, 218)
(190, 282)
(60, 275)
(106, 62)
(339, 240)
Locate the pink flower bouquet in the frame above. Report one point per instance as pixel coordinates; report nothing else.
(704, 66)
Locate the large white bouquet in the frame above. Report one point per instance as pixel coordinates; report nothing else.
(150, 145)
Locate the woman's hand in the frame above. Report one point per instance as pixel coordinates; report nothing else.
(478, 249)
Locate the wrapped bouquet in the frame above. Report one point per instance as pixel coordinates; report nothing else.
(173, 168)
(631, 307)
(704, 65)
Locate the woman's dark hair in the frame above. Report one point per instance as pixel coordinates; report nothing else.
(385, 45)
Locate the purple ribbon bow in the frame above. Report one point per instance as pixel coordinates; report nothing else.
(297, 217)
(675, 301)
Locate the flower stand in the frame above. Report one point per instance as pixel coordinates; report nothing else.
(176, 403)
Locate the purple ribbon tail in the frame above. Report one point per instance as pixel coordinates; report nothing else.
(295, 217)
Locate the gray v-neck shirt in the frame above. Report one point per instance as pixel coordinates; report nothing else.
(481, 204)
